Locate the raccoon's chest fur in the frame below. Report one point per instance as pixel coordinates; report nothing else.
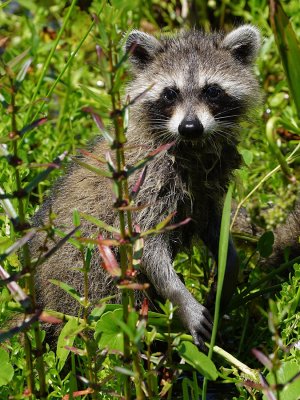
(190, 183)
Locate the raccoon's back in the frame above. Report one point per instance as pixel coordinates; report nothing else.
(89, 193)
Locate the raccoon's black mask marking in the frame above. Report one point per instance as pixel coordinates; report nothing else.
(195, 75)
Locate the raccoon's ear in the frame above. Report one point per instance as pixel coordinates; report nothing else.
(243, 43)
(141, 47)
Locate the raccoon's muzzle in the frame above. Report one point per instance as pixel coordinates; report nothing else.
(191, 128)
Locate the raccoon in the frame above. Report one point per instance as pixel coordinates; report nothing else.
(196, 87)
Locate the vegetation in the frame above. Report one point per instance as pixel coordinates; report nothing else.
(62, 76)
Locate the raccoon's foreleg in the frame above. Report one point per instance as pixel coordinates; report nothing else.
(157, 265)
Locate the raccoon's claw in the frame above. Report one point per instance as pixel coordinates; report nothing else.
(198, 321)
(202, 333)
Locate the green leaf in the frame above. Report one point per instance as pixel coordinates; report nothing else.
(99, 223)
(190, 353)
(6, 370)
(66, 338)
(23, 71)
(138, 249)
(265, 244)
(247, 156)
(98, 171)
(76, 221)
(165, 222)
(287, 371)
(108, 333)
(69, 289)
(288, 47)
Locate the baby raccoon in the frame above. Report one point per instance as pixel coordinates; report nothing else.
(197, 88)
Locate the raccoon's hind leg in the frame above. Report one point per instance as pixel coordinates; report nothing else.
(157, 265)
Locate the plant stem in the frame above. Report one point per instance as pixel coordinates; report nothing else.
(118, 125)
(29, 365)
(29, 283)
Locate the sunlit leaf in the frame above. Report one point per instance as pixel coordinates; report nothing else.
(190, 353)
(15, 61)
(108, 333)
(68, 289)
(6, 370)
(23, 71)
(98, 171)
(66, 338)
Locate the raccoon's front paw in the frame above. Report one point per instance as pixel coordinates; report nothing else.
(198, 321)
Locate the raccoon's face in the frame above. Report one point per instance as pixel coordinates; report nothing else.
(195, 86)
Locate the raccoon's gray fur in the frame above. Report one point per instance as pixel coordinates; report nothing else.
(203, 85)
(286, 238)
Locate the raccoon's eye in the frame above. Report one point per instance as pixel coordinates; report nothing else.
(170, 95)
(213, 92)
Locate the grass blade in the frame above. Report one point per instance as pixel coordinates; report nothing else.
(223, 249)
(288, 47)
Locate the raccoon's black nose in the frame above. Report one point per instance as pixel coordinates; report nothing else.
(190, 128)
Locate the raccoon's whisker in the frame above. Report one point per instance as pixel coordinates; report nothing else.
(159, 117)
(156, 114)
(226, 117)
(229, 136)
(160, 126)
(225, 130)
(228, 124)
(228, 129)
(166, 135)
(226, 111)
(160, 123)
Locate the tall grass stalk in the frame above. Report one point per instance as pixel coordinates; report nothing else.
(222, 257)
(66, 66)
(48, 60)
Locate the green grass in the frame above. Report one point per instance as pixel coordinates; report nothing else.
(49, 68)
